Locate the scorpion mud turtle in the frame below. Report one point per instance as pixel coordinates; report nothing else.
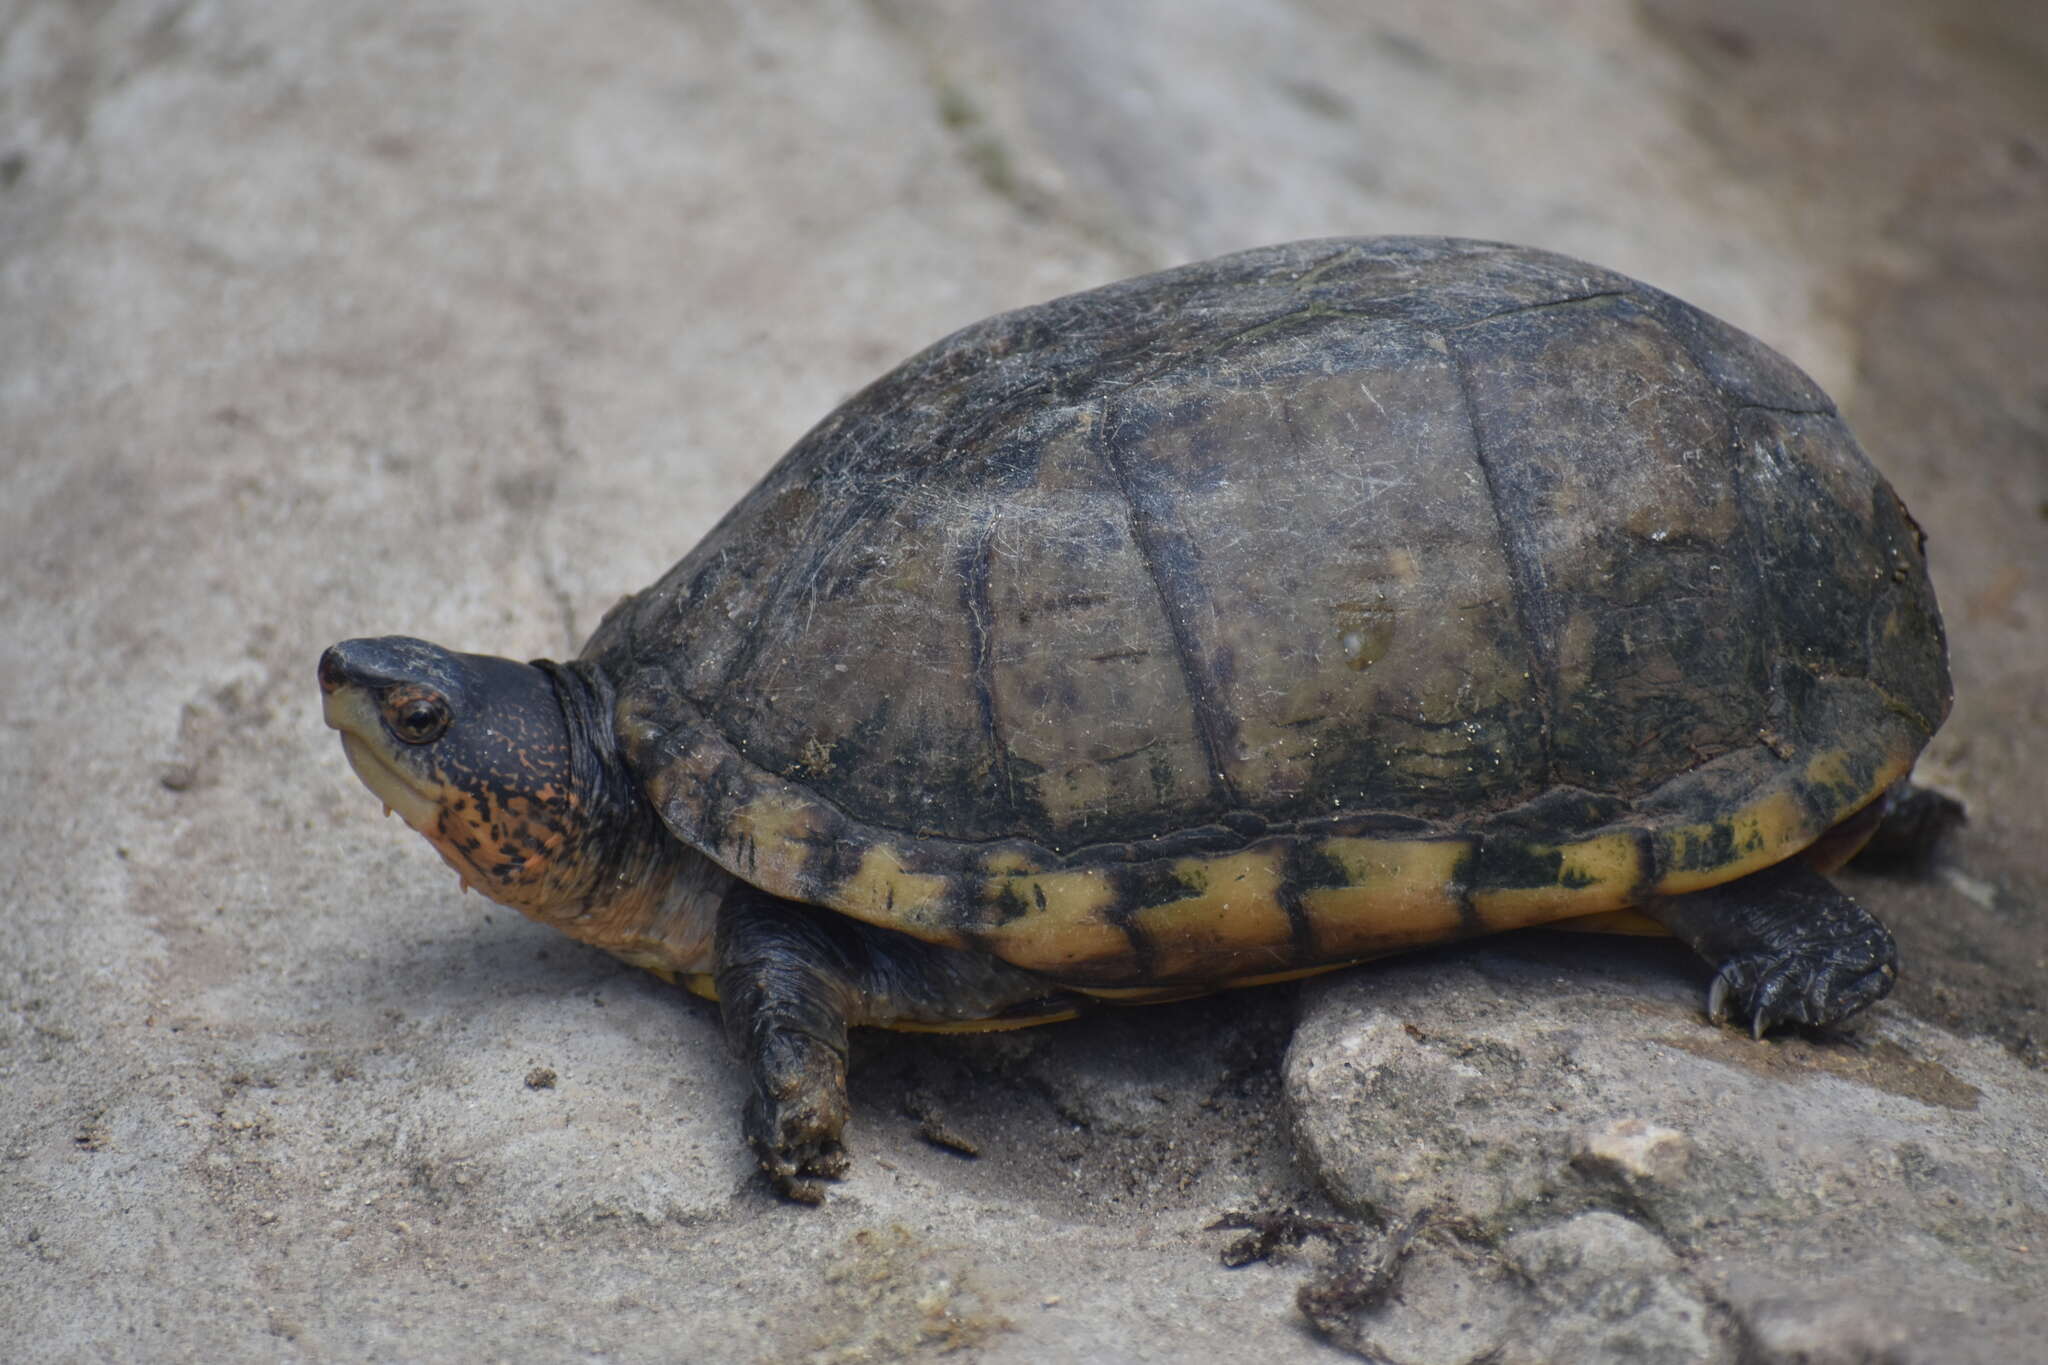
(1214, 627)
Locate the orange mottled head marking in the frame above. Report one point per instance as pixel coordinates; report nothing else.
(478, 755)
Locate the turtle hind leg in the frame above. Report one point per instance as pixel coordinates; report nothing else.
(1914, 821)
(1788, 947)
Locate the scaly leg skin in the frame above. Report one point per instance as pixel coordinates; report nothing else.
(791, 979)
(785, 989)
(1788, 946)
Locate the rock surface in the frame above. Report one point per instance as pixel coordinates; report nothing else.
(1630, 1163)
(462, 319)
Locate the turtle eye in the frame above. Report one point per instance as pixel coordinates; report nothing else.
(417, 717)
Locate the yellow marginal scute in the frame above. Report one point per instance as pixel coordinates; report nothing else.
(1763, 831)
(1594, 875)
(882, 891)
(1608, 864)
(1770, 828)
(1064, 920)
(1399, 893)
(1237, 912)
(778, 827)
(1830, 766)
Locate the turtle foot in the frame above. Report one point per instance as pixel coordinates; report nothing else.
(794, 1119)
(1787, 948)
(798, 1163)
(1814, 985)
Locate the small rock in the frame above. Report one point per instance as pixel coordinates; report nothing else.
(1636, 1150)
(1582, 1253)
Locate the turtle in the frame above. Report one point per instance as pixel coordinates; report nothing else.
(1215, 627)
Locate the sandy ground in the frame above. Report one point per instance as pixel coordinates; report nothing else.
(462, 318)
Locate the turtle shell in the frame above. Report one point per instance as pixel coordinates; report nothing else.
(1288, 609)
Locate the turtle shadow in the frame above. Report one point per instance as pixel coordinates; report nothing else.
(499, 961)
(1147, 1109)
(1123, 1110)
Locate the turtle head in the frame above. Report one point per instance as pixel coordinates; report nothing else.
(498, 763)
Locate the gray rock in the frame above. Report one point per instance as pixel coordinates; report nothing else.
(1567, 1105)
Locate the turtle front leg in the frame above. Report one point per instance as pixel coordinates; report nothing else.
(785, 989)
(791, 980)
(1788, 946)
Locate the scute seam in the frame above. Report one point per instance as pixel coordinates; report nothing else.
(1745, 508)
(975, 565)
(1524, 578)
(1213, 726)
(1744, 405)
(1545, 303)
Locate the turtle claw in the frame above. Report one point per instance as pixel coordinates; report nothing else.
(1729, 984)
(1717, 998)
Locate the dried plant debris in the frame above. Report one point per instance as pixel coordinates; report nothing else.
(923, 1106)
(1360, 1276)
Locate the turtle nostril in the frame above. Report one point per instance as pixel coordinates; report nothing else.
(332, 672)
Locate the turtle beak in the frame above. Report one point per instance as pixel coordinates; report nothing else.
(345, 702)
(348, 705)
(334, 670)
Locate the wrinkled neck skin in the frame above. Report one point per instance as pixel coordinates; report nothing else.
(619, 880)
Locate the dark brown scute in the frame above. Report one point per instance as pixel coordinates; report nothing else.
(1601, 445)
